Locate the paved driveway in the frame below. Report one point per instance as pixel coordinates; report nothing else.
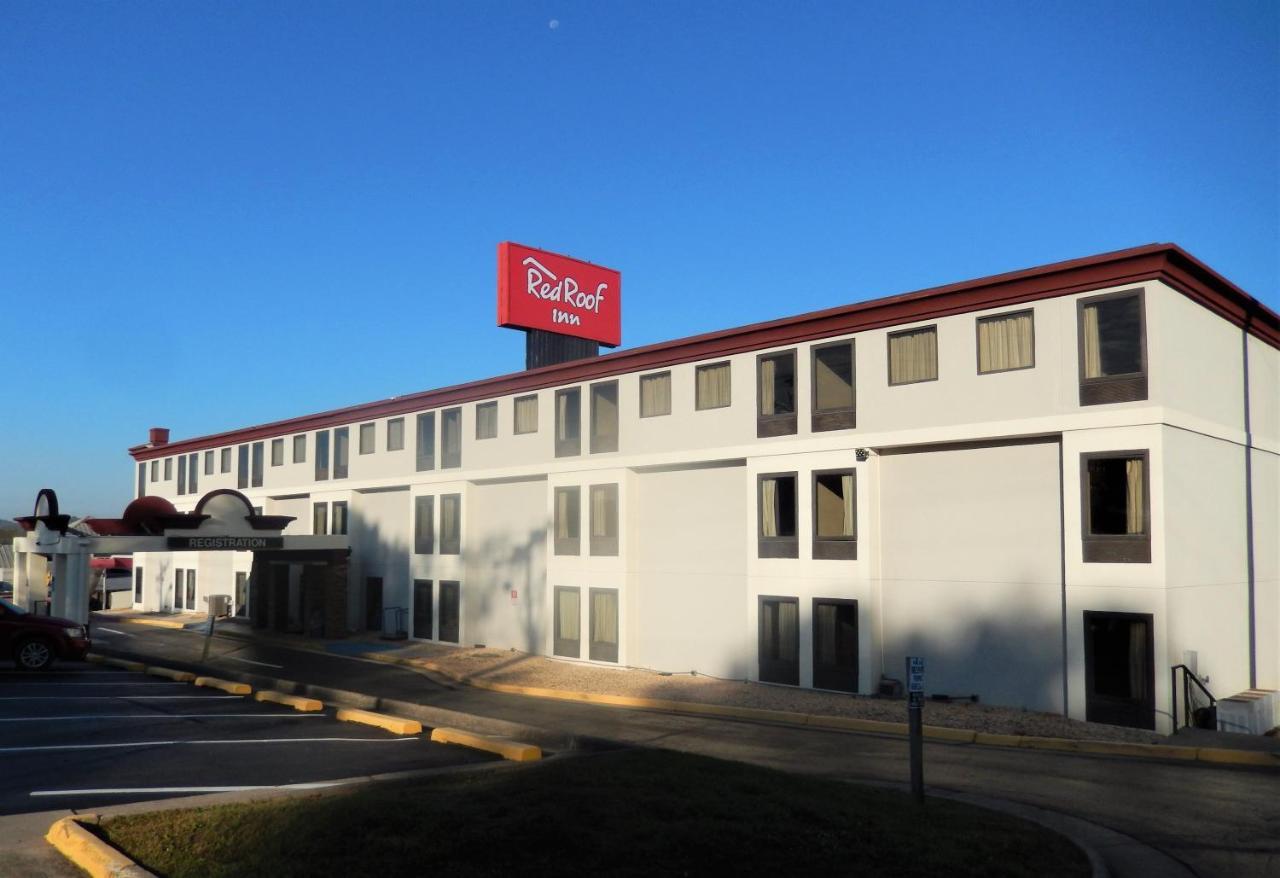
(84, 736)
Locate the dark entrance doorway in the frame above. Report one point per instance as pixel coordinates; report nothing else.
(373, 603)
(1119, 669)
(835, 644)
(780, 640)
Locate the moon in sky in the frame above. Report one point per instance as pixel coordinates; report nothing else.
(554, 23)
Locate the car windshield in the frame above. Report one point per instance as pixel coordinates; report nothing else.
(12, 607)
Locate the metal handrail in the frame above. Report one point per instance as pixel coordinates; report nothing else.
(1188, 677)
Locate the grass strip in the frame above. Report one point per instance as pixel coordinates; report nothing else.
(631, 812)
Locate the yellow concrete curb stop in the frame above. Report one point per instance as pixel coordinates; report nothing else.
(95, 658)
(91, 853)
(170, 674)
(1238, 757)
(225, 685)
(394, 724)
(156, 623)
(513, 750)
(297, 702)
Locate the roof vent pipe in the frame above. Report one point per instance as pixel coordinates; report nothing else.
(158, 436)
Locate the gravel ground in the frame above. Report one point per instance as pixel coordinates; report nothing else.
(521, 669)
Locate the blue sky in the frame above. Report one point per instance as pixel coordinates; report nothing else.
(218, 214)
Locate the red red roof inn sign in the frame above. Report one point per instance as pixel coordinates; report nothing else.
(541, 290)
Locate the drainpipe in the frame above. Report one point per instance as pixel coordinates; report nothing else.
(1248, 501)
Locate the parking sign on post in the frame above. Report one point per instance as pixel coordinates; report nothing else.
(915, 724)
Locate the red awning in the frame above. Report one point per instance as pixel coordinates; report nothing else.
(111, 563)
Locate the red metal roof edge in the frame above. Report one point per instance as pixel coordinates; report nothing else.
(1166, 262)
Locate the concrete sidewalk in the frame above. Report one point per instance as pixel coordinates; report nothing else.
(1220, 820)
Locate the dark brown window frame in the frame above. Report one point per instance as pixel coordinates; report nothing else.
(604, 653)
(450, 458)
(425, 441)
(640, 386)
(770, 671)
(777, 547)
(1115, 548)
(570, 545)
(568, 446)
(224, 462)
(888, 354)
(399, 444)
(977, 340)
(430, 612)
(451, 544)
(823, 673)
(483, 408)
(168, 468)
(604, 444)
(319, 519)
(515, 415)
(606, 545)
(333, 518)
(258, 473)
(300, 448)
(1129, 387)
(322, 455)
(784, 424)
(444, 586)
(341, 451)
(424, 506)
(208, 462)
(843, 417)
(370, 429)
(277, 444)
(697, 397)
(834, 548)
(559, 645)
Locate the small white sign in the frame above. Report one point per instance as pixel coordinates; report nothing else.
(915, 674)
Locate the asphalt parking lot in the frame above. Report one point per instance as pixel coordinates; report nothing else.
(86, 736)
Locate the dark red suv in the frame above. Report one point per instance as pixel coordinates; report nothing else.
(34, 642)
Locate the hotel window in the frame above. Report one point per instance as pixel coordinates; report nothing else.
(179, 591)
(258, 450)
(225, 463)
(300, 448)
(155, 471)
(833, 387)
(242, 467)
(526, 414)
(339, 518)
(835, 644)
(777, 511)
(566, 521)
(1116, 513)
(451, 438)
(568, 422)
(423, 621)
(450, 524)
(779, 649)
(426, 441)
(1006, 342)
(776, 394)
(142, 479)
(835, 523)
(913, 356)
(182, 475)
(604, 519)
(487, 420)
(711, 386)
(568, 622)
(191, 589)
(424, 525)
(395, 434)
(604, 624)
(137, 585)
(322, 455)
(368, 438)
(168, 469)
(450, 611)
(277, 452)
(242, 593)
(341, 451)
(1113, 348)
(208, 463)
(320, 518)
(604, 417)
(193, 473)
(655, 395)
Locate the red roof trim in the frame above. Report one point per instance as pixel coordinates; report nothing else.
(1164, 262)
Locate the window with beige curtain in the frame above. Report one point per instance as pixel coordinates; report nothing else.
(395, 434)
(568, 422)
(604, 519)
(711, 390)
(568, 622)
(566, 517)
(777, 384)
(913, 356)
(1006, 342)
(368, 436)
(450, 524)
(1111, 337)
(424, 525)
(604, 417)
(526, 414)
(451, 438)
(833, 499)
(833, 377)
(604, 624)
(655, 394)
(777, 510)
(1117, 496)
(486, 420)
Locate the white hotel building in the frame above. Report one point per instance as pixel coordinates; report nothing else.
(1053, 484)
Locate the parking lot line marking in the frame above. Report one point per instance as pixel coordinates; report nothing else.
(118, 697)
(131, 791)
(252, 662)
(153, 717)
(47, 747)
(113, 631)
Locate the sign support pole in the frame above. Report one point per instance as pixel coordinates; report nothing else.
(915, 725)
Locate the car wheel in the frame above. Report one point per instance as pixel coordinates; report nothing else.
(34, 655)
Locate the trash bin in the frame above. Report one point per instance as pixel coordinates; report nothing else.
(395, 623)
